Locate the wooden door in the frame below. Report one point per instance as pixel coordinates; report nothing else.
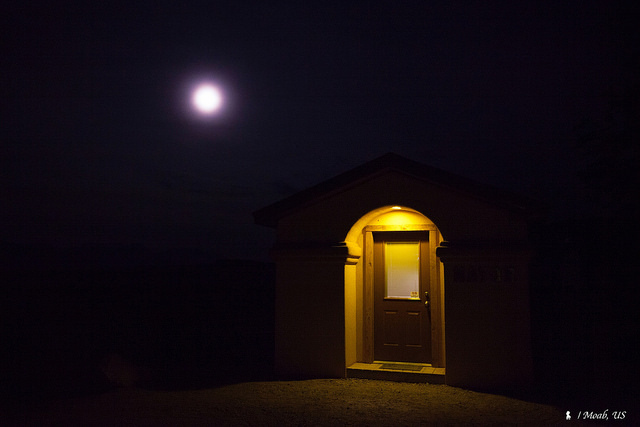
(402, 318)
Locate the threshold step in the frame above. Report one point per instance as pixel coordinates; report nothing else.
(400, 372)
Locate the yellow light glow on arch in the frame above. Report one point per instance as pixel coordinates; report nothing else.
(385, 215)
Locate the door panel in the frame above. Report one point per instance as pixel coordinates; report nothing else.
(391, 326)
(414, 328)
(402, 324)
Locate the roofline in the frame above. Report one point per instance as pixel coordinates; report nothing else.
(271, 214)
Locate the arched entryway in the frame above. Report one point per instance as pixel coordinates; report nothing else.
(401, 322)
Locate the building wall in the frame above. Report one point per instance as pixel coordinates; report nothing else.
(487, 310)
(310, 318)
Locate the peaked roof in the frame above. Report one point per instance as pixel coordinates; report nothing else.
(390, 162)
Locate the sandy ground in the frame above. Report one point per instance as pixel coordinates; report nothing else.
(337, 402)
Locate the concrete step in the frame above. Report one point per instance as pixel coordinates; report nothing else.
(396, 371)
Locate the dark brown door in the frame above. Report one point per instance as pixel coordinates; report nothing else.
(402, 324)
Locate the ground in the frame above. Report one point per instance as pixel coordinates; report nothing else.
(324, 402)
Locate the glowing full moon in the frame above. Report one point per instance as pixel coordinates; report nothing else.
(207, 99)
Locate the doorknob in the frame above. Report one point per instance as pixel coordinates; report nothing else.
(426, 299)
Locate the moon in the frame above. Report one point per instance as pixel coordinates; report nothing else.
(207, 99)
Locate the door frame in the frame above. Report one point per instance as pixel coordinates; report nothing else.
(437, 291)
(402, 351)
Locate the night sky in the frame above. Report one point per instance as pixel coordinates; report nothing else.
(103, 161)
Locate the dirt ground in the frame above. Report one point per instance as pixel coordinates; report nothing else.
(337, 402)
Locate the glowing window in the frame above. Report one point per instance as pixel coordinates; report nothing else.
(402, 270)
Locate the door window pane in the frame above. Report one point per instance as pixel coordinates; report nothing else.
(402, 269)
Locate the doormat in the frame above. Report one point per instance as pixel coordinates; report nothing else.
(401, 367)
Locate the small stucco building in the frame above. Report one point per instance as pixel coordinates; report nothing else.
(398, 262)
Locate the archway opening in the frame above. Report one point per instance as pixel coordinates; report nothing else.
(360, 282)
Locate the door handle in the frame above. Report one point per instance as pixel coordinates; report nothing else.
(427, 298)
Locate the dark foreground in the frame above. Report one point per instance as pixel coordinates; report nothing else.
(70, 338)
(310, 402)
